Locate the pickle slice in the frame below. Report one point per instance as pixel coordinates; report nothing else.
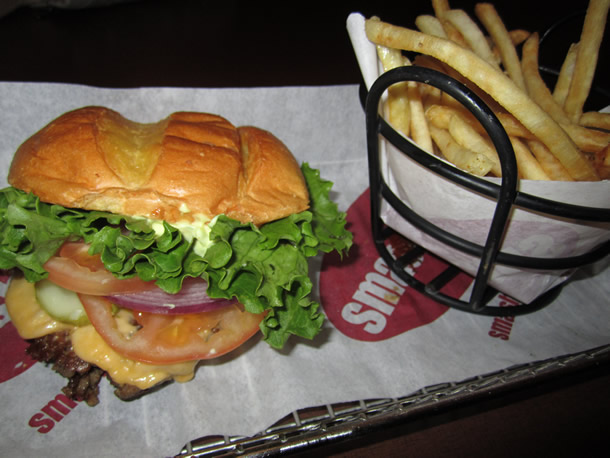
(61, 304)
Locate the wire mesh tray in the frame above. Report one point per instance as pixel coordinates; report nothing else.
(321, 426)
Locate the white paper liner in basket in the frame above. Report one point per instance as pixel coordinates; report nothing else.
(468, 215)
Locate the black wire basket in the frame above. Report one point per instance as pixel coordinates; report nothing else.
(505, 194)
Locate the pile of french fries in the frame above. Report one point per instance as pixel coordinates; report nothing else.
(553, 139)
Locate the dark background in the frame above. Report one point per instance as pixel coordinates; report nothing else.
(188, 43)
(228, 43)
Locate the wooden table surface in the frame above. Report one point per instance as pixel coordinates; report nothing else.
(188, 43)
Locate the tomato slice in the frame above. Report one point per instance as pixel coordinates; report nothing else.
(75, 269)
(166, 339)
(79, 253)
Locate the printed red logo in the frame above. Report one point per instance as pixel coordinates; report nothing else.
(364, 299)
(13, 358)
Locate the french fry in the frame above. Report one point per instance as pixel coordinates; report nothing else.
(586, 58)
(528, 165)
(589, 140)
(461, 157)
(602, 162)
(430, 94)
(398, 107)
(420, 132)
(435, 64)
(494, 25)
(423, 60)
(399, 111)
(440, 7)
(391, 58)
(549, 163)
(439, 115)
(430, 62)
(429, 24)
(518, 36)
(406, 112)
(585, 139)
(596, 120)
(604, 166)
(513, 126)
(499, 86)
(467, 136)
(472, 34)
(536, 87)
(453, 33)
(562, 86)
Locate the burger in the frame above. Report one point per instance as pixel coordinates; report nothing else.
(138, 250)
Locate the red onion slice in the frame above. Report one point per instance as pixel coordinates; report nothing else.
(192, 298)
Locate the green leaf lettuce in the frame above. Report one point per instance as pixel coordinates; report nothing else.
(264, 267)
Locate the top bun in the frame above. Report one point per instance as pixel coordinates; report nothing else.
(187, 164)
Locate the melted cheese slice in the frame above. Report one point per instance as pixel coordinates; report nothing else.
(90, 346)
(30, 320)
(33, 322)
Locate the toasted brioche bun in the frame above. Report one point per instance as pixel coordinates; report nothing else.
(187, 164)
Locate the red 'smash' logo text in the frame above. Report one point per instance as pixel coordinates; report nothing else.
(502, 326)
(52, 413)
(364, 299)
